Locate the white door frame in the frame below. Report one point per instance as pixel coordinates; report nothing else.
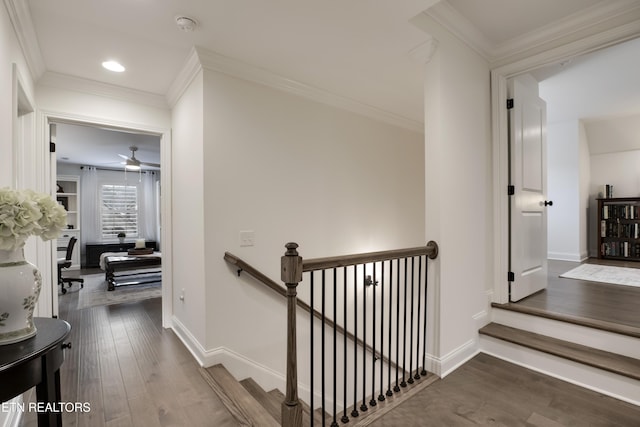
(499, 125)
(47, 117)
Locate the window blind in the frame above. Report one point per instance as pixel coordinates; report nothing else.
(119, 212)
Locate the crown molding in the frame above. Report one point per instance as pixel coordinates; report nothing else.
(202, 58)
(423, 53)
(184, 78)
(92, 87)
(531, 61)
(20, 17)
(586, 22)
(445, 14)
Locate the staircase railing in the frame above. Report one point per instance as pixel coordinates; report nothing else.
(243, 266)
(387, 292)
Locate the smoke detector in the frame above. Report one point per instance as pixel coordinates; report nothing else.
(186, 24)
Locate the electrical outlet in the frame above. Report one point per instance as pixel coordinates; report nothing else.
(247, 238)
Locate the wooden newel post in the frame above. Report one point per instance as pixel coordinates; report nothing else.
(291, 264)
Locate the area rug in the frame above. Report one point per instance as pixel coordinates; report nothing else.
(95, 292)
(605, 274)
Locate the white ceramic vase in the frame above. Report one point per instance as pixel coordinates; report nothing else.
(20, 284)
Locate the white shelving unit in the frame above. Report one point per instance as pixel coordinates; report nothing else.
(68, 195)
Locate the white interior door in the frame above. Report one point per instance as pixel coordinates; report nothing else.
(528, 204)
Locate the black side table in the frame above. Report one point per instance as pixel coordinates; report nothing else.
(36, 362)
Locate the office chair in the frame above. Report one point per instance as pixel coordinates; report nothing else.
(66, 263)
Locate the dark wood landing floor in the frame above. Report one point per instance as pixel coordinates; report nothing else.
(488, 391)
(607, 304)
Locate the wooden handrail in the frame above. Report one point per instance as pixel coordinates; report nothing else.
(431, 250)
(256, 274)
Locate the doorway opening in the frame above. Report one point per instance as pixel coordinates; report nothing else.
(587, 148)
(105, 197)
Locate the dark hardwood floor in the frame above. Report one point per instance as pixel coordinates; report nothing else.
(489, 391)
(604, 302)
(131, 371)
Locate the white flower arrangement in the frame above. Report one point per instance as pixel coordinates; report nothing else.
(24, 213)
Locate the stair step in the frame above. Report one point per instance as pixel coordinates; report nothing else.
(269, 401)
(317, 417)
(279, 396)
(373, 413)
(240, 403)
(251, 405)
(611, 362)
(617, 328)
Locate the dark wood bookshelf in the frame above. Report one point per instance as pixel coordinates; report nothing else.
(619, 228)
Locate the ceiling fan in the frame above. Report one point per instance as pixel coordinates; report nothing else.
(132, 163)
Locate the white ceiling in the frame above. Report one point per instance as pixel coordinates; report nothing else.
(85, 145)
(356, 49)
(603, 90)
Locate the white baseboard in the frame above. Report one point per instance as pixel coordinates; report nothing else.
(482, 318)
(443, 366)
(189, 341)
(607, 383)
(562, 256)
(242, 367)
(238, 365)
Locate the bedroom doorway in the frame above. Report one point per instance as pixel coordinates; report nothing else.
(551, 61)
(583, 156)
(104, 198)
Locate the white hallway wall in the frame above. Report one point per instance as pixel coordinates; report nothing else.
(459, 200)
(189, 214)
(568, 187)
(618, 169)
(10, 54)
(575, 180)
(289, 169)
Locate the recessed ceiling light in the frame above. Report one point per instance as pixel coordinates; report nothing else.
(113, 66)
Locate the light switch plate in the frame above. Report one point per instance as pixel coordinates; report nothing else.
(247, 238)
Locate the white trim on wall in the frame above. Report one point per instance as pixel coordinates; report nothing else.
(201, 58)
(565, 256)
(106, 90)
(22, 108)
(20, 16)
(585, 20)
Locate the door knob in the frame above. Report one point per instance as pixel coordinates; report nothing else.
(548, 202)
